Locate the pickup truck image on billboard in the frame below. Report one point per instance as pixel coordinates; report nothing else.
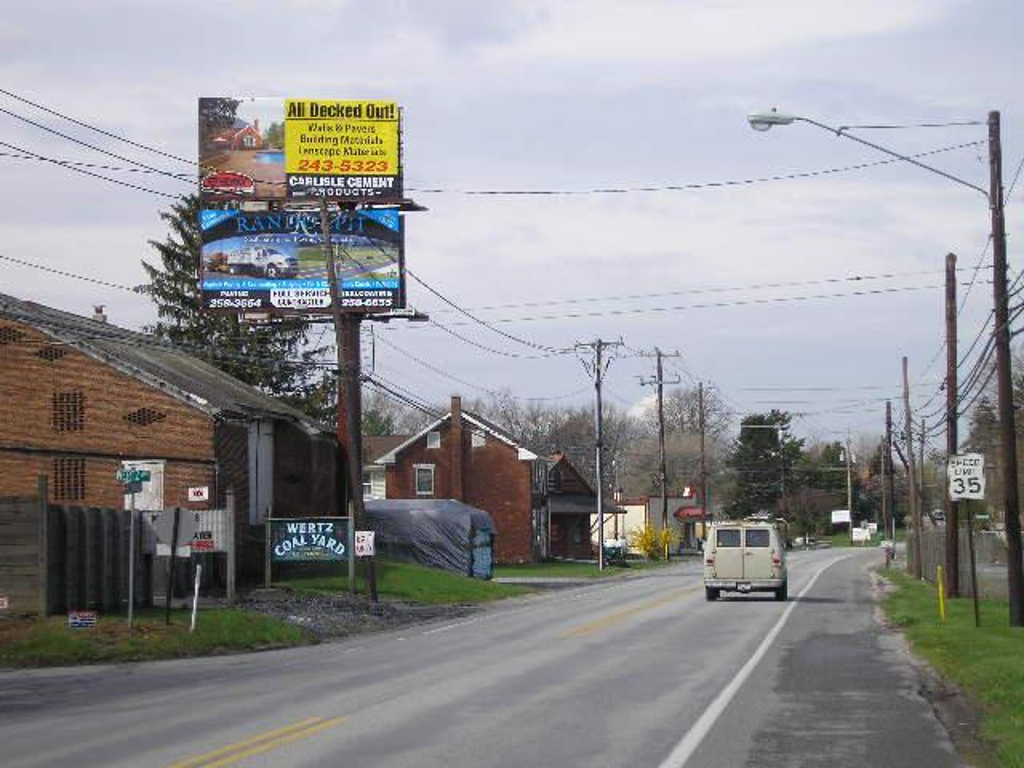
(275, 262)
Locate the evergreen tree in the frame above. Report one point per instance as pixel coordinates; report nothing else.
(275, 357)
(761, 456)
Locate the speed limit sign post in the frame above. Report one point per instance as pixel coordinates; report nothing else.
(966, 473)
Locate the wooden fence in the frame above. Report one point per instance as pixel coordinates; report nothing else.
(59, 558)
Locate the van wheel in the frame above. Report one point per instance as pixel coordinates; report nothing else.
(711, 594)
(782, 593)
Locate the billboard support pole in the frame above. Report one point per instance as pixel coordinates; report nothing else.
(346, 336)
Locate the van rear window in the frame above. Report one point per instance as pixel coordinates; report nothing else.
(757, 537)
(727, 537)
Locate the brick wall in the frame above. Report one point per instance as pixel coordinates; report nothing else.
(494, 479)
(65, 413)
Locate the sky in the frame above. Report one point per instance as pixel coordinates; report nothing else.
(572, 97)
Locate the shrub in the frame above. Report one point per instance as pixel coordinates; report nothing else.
(652, 542)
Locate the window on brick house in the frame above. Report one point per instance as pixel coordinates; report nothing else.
(68, 412)
(433, 439)
(143, 417)
(51, 353)
(10, 334)
(424, 479)
(69, 479)
(479, 439)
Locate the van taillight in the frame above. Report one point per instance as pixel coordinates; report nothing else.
(710, 560)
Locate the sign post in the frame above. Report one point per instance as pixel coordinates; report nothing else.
(966, 475)
(132, 479)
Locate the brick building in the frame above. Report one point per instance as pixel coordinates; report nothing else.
(571, 510)
(463, 456)
(80, 398)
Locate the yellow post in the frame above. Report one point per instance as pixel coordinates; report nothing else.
(942, 592)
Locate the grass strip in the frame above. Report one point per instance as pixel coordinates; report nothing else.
(566, 570)
(987, 663)
(36, 642)
(412, 583)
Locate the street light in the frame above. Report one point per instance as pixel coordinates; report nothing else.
(764, 121)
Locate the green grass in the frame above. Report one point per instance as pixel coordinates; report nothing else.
(570, 570)
(411, 583)
(988, 663)
(34, 642)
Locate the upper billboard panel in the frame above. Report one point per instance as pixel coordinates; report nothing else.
(299, 149)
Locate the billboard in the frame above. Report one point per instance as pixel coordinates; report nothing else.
(274, 261)
(299, 149)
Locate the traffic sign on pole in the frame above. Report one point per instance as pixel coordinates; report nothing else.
(966, 473)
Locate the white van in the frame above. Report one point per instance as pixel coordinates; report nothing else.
(745, 556)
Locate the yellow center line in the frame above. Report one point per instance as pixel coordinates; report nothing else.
(615, 618)
(261, 742)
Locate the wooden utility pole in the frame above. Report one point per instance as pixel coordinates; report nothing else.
(659, 382)
(597, 370)
(913, 563)
(1004, 378)
(888, 487)
(952, 437)
(703, 462)
(849, 485)
(350, 437)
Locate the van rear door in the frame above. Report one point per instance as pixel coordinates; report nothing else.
(729, 553)
(757, 559)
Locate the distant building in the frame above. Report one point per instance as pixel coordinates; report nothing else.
(80, 399)
(465, 457)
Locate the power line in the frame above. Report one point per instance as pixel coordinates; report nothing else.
(682, 187)
(87, 145)
(86, 172)
(90, 127)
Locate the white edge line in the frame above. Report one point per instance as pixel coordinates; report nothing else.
(684, 750)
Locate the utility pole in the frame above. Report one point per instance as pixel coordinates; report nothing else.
(888, 491)
(350, 438)
(849, 485)
(659, 382)
(922, 497)
(1004, 378)
(597, 370)
(913, 563)
(952, 438)
(703, 463)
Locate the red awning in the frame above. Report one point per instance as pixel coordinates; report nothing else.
(689, 513)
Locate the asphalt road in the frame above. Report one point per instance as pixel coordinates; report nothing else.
(639, 672)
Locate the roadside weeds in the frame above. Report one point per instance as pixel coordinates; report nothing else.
(973, 678)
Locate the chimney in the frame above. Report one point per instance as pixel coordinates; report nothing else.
(457, 450)
(97, 313)
(256, 125)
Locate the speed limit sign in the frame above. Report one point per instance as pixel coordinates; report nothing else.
(966, 474)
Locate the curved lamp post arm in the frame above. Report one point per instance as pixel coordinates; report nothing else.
(764, 121)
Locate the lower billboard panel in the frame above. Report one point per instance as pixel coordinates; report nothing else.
(274, 261)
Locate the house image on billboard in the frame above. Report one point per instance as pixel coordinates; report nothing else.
(241, 135)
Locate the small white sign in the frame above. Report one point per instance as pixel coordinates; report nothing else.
(364, 544)
(4, 603)
(861, 535)
(966, 473)
(872, 528)
(840, 516)
(201, 493)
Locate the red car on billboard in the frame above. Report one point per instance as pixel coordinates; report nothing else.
(228, 183)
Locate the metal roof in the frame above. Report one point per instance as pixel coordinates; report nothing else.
(155, 362)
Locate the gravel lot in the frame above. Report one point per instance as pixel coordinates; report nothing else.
(327, 617)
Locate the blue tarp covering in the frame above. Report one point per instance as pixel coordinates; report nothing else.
(439, 533)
